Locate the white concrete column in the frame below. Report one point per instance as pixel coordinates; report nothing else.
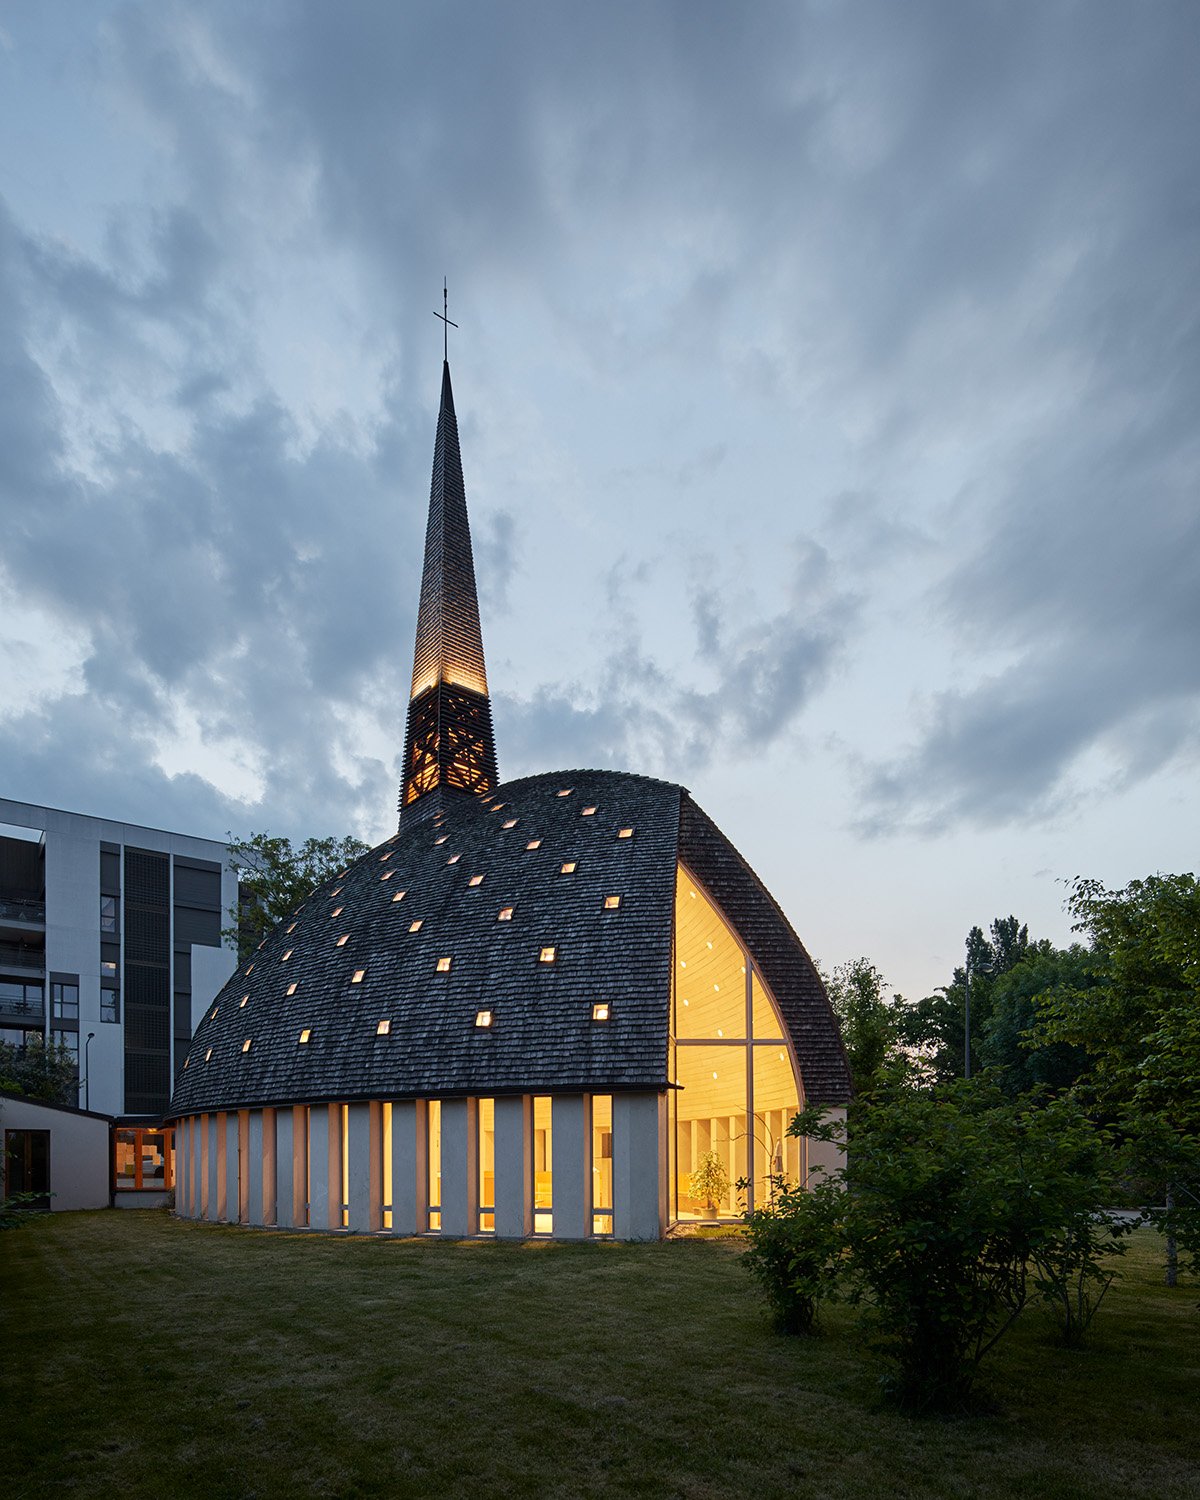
(458, 1179)
(253, 1168)
(233, 1189)
(202, 1174)
(825, 1157)
(363, 1195)
(268, 1176)
(216, 1167)
(409, 1166)
(285, 1196)
(639, 1166)
(319, 1207)
(183, 1166)
(514, 1170)
(569, 1162)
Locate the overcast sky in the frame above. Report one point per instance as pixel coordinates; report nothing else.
(827, 381)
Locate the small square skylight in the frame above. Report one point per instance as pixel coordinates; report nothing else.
(475, 880)
(292, 988)
(337, 911)
(286, 956)
(504, 914)
(382, 1028)
(611, 903)
(358, 976)
(246, 1045)
(483, 1018)
(382, 857)
(242, 1001)
(587, 812)
(534, 844)
(292, 928)
(566, 791)
(343, 940)
(416, 926)
(454, 859)
(624, 833)
(546, 956)
(441, 839)
(336, 892)
(387, 874)
(511, 823)
(443, 965)
(600, 1011)
(208, 1054)
(399, 896)
(304, 1036)
(568, 868)
(213, 1016)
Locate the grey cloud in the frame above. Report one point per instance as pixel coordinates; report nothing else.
(496, 544)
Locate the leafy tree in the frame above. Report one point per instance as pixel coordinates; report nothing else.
(1012, 1045)
(959, 1206)
(274, 878)
(868, 1021)
(795, 1251)
(39, 1071)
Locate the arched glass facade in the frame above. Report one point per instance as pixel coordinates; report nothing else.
(735, 1082)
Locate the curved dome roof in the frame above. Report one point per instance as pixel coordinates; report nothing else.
(365, 948)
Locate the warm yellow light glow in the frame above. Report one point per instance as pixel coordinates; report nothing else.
(343, 940)
(543, 1223)
(383, 1028)
(568, 868)
(588, 812)
(208, 1054)
(286, 956)
(382, 857)
(292, 928)
(625, 833)
(475, 880)
(441, 840)
(611, 903)
(483, 1018)
(416, 926)
(387, 874)
(337, 911)
(304, 1036)
(246, 1045)
(443, 966)
(454, 859)
(336, 892)
(293, 987)
(399, 896)
(213, 1016)
(566, 792)
(512, 823)
(185, 1062)
(546, 956)
(242, 1001)
(600, 1011)
(504, 914)
(534, 844)
(249, 969)
(358, 976)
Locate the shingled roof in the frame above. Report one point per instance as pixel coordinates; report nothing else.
(453, 874)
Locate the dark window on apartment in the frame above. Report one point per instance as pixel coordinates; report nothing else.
(64, 1001)
(108, 914)
(147, 982)
(20, 1001)
(69, 1040)
(110, 1003)
(27, 1164)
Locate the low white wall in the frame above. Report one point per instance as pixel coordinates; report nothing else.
(79, 1161)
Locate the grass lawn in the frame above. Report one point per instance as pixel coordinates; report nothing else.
(148, 1357)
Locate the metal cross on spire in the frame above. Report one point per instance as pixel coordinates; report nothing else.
(447, 325)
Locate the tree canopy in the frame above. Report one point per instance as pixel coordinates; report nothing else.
(275, 877)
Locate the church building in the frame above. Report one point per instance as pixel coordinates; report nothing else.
(562, 1006)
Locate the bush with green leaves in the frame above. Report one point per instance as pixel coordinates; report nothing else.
(795, 1251)
(957, 1207)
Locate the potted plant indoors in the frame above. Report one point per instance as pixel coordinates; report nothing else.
(710, 1182)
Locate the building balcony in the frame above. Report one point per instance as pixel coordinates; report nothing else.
(22, 958)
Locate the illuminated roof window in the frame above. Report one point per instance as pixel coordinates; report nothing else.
(337, 911)
(293, 927)
(343, 940)
(337, 892)
(443, 965)
(441, 839)
(358, 976)
(600, 1011)
(454, 859)
(499, 805)
(387, 874)
(568, 868)
(185, 1063)
(566, 791)
(587, 812)
(475, 880)
(510, 823)
(383, 1028)
(624, 833)
(208, 1054)
(399, 896)
(611, 903)
(382, 857)
(292, 988)
(304, 1036)
(213, 1017)
(286, 956)
(547, 955)
(534, 844)
(483, 1018)
(246, 1045)
(504, 914)
(242, 1001)
(416, 926)
(249, 969)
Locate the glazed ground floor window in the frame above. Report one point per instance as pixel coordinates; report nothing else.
(143, 1160)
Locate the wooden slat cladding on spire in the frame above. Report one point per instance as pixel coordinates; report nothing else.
(449, 742)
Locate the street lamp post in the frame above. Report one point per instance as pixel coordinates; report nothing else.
(87, 1072)
(982, 969)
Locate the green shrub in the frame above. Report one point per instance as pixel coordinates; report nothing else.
(795, 1252)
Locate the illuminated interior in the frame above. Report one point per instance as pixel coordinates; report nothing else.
(434, 1119)
(602, 1164)
(386, 1154)
(543, 1176)
(737, 1087)
(487, 1166)
(143, 1160)
(344, 1126)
